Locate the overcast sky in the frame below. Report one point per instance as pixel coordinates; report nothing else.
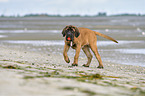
(63, 7)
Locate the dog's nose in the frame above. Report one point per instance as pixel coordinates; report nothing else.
(69, 33)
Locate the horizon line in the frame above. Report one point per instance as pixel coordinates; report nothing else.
(89, 15)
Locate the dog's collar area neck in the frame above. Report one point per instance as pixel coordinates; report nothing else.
(71, 43)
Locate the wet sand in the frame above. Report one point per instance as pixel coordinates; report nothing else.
(29, 73)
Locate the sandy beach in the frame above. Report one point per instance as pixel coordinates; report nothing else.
(30, 73)
(31, 61)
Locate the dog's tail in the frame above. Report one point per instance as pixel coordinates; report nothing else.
(105, 36)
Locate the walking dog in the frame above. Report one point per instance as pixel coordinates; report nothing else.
(84, 38)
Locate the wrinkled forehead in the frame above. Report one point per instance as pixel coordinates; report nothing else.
(70, 27)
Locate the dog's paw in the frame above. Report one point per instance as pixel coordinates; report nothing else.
(100, 67)
(67, 61)
(85, 65)
(74, 64)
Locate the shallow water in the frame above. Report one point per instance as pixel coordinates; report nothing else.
(44, 35)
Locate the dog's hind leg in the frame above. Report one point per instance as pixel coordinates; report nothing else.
(88, 54)
(95, 51)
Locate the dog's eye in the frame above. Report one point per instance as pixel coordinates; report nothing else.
(72, 31)
(67, 29)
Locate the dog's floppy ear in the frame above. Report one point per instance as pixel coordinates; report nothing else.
(77, 33)
(63, 31)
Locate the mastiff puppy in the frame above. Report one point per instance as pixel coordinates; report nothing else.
(84, 38)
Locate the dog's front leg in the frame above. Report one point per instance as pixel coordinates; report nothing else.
(78, 48)
(66, 48)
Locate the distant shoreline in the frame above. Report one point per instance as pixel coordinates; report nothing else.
(73, 15)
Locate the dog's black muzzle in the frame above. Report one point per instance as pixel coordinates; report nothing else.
(69, 37)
